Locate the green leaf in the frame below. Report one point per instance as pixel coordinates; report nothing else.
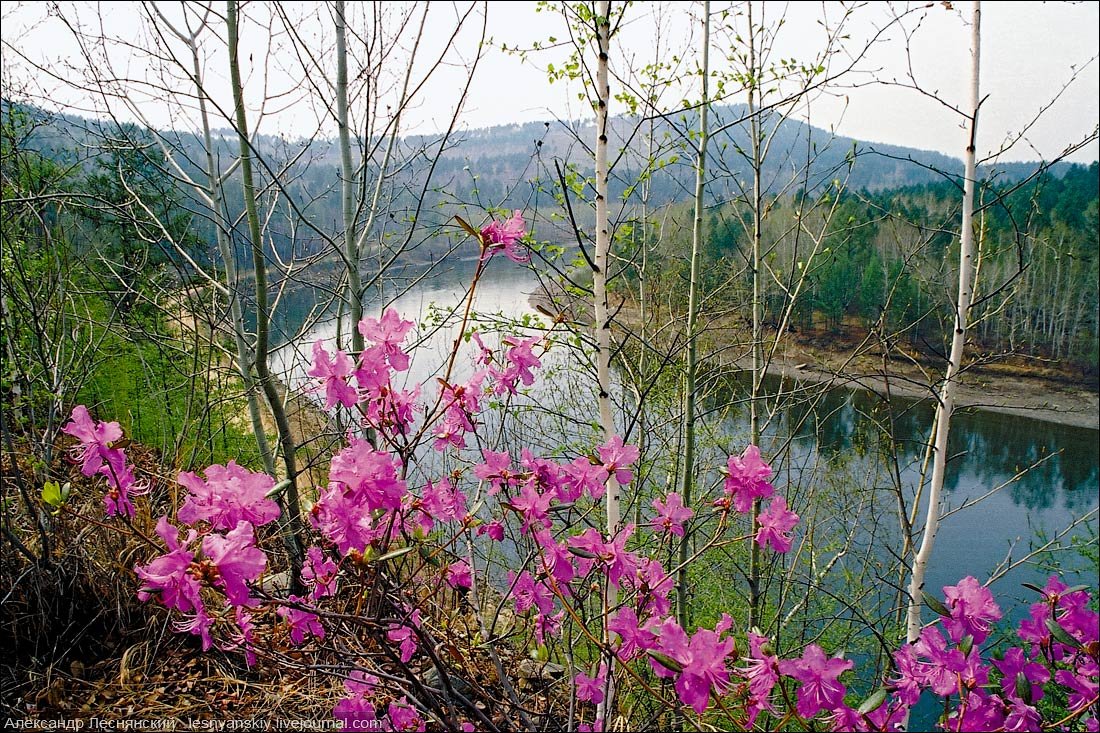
(1023, 687)
(54, 494)
(1061, 634)
(395, 554)
(872, 703)
(935, 604)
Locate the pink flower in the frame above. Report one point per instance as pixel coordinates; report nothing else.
(369, 473)
(320, 572)
(334, 373)
(494, 529)
(237, 560)
(168, 576)
(387, 333)
(762, 674)
(555, 559)
(95, 439)
(616, 457)
(746, 479)
(441, 502)
(591, 688)
(403, 717)
(1082, 688)
(405, 636)
(244, 638)
(704, 668)
(521, 360)
(671, 514)
(229, 495)
(972, 610)
(632, 637)
(458, 575)
(97, 456)
(527, 592)
(303, 624)
(356, 713)
(775, 524)
(818, 674)
(1015, 663)
(583, 477)
(533, 507)
(497, 470)
(941, 664)
(503, 237)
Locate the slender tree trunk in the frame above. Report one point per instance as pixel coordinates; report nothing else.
(757, 314)
(602, 322)
(958, 342)
(292, 503)
(236, 312)
(347, 182)
(688, 478)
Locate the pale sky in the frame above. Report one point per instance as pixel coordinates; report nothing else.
(1030, 51)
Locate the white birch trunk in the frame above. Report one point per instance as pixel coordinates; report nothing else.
(958, 342)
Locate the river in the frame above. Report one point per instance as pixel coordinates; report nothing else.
(834, 448)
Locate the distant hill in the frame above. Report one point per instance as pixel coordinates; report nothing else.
(503, 165)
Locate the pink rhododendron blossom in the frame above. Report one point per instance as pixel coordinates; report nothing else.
(616, 457)
(494, 529)
(775, 525)
(405, 636)
(820, 688)
(547, 625)
(245, 637)
(505, 237)
(237, 561)
(199, 624)
(97, 456)
(403, 717)
(1083, 688)
(387, 333)
(320, 573)
(168, 576)
(591, 688)
(1016, 663)
(583, 477)
(355, 713)
(633, 638)
(520, 361)
(941, 663)
(95, 439)
(370, 474)
(533, 507)
(705, 669)
(972, 610)
(459, 575)
(229, 495)
(555, 559)
(762, 674)
(372, 371)
(440, 502)
(671, 514)
(334, 373)
(747, 479)
(496, 468)
(303, 624)
(529, 593)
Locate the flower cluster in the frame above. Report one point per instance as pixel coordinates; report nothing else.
(373, 506)
(98, 453)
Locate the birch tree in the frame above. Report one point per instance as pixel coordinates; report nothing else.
(946, 405)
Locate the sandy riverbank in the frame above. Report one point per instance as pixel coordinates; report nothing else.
(1050, 396)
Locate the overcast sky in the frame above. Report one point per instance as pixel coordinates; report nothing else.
(1030, 51)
